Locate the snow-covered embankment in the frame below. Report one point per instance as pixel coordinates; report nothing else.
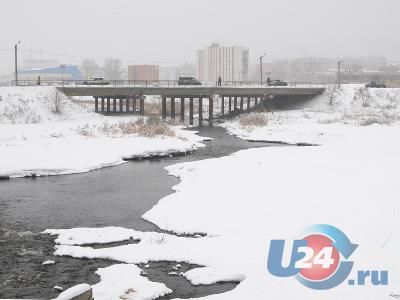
(37, 140)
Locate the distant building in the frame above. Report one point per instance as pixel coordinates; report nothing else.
(144, 72)
(63, 72)
(231, 63)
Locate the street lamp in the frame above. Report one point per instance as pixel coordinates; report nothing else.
(62, 67)
(261, 70)
(339, 75)
(16, 62)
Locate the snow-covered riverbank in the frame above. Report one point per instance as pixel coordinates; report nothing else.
(329, 118)
(244, 200)
(37, 140)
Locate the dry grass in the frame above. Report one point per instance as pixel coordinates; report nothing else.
(151, 127)
(253, 120)
(364, 117)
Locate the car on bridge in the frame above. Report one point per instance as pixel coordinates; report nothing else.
(278, 83)
(188, 81)
(96, 81)
(375, 84)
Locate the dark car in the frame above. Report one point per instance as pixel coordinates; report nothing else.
(96, 81)
(278, 83)
(375, 84)
(188, 81)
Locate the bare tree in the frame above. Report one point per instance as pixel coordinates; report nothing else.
(89, 68)
(57, 98)
(112, 69)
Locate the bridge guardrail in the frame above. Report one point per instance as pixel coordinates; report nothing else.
(158, 83)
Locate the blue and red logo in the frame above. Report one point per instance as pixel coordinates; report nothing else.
(320, 260)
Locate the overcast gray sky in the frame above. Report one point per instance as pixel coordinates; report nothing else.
(169, 31)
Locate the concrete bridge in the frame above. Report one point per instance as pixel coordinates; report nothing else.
(112, 100)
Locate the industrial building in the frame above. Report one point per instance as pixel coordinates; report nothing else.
(144, 72)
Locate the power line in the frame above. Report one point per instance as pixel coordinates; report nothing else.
(79, 57)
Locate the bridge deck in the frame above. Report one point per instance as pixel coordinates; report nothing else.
(191, 91)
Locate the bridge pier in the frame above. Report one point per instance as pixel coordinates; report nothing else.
(241, 104)
(96, 104)
(230, 105)
(235, 104)
(210, 108)
(164, 108)
(222, 105)
(120, 104)
(200, 111)
(141, 104)
(172, 108)
(115, 105)
(183, 109)
(127, 104)
(248, 103)
(191, 111)
(108, 104)
(133, 104)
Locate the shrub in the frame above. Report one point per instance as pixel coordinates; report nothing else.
(253, 120)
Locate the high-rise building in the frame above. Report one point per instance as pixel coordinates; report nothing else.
(144, 72)
(229, 63)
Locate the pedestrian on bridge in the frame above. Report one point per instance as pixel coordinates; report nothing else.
(219, 81)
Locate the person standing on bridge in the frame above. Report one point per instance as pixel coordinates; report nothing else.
(268, 81)
(219, 81)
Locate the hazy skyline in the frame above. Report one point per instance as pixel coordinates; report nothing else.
(169, 31)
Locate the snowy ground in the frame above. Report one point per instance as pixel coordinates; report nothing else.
(329, 118)
(34, 139)
(244, 200)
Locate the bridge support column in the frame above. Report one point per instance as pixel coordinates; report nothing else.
(200, 111)
(164, 108)
(248, 103)
(134, 105)
(115, 105)
(241, 104)
(172, 108)
(121, 105)
(96, 104)
(108, 104)
(230, 105)
(222, 105)
(191, 111)
(210, 109)
(102, 104)
(183, 109)
(235, 103)
(255, 102)
(262, 103)
(141, 105)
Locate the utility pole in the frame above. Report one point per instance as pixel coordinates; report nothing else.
(339, 74)
(16, 62)
(261, 69)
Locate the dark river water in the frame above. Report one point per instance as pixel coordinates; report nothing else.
(116, 196)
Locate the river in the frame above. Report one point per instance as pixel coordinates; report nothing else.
(116, 196)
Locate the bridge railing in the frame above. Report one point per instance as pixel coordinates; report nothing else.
(156, 84)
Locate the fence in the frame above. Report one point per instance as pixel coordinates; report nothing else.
(158, 83)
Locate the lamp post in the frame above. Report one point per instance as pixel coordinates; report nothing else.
(16, 62)
(339, 75)
(261, 69)
(62, 67)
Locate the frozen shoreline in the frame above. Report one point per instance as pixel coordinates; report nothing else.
(35, 141)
